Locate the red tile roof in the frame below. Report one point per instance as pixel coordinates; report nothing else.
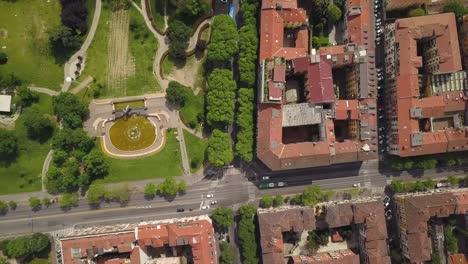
(279, 73)
(457, 259)
(358, 26)
(345, 256)
(407, 31)
(285, 4)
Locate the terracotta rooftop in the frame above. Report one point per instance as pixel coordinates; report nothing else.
(418, 208)
(407, 32)
(273, 223)
(194, 232)
(457, 259)
(285, 4)
(333, 257)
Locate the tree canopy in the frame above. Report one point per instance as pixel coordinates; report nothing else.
(227, 253)
(9, 80)
(223, 218)
(63, 38)
(70, 109)
(334, 13)
(96, 166)
(179, 35)
(150, 190)
(266, 201)
(27, 245)
(220, 98)
(416, 12)
(219, 149)
(457, 7)
(169, 187)
(176, 93)
(38, 126)
(224, 36)
(245, 123)
(8, 145)
(26, 96)
(70, 140)
(3, 58)
(247, 239)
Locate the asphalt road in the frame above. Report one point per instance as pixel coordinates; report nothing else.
(230, 191)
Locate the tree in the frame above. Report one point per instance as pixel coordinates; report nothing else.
(34, 203)
(452, 180)
(26, 96)
(182, 186)
(168, 187)
(8, 145)
(312, 195)
(278, 200)
(429, 184)
(223, 218)
(68, 200)
(69, 140)
(224, 37)
(96, 193)
(451, 240)
(179, 35)
(397, 186)
(415, 12)
(38, 127)
(266, 201)
(334, 13)
(219, 150)
(176, 93)
(74, 14)
(12, 205)
(9, 80)
(70, 109)
(27, 246)
(121, 193)
(195, 8)
(96, 166)
(457, 7)
(46, 201)
(59, 157)
(220, 98)
(63, 38)
(245, 123)
(227, 253)
(3, 207)
(247, 239)
(3, 58)
(150, 190)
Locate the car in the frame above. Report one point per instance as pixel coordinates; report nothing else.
(381, 129)
(386, 204)
(386, 199)
(265, 177)
(209, 195)
(357, 184)
(281, 184)
(180, 210)
(381, 142)
(442, 184)
(205, 207)
(213, 202)
(389, 217)
(271, 185)
(388, 212)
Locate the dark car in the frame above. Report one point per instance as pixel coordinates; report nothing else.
(180, 209)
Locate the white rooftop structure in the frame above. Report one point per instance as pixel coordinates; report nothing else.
(5, 103)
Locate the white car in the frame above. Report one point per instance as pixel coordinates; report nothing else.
(213, 202)
(209, 195)
(265, 177)
(356, 184)
(280, 184)
(205, 207)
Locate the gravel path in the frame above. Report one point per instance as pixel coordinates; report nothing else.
(44, 90)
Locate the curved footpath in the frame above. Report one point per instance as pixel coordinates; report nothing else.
(85, 46)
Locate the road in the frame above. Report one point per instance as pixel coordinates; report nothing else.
(229, 191)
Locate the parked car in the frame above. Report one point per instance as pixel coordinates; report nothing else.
(442, 184)
(209, 195)
(213, 202)
(265, 177)
(180, 210)
(357, 184)
(271, 184)
(205, 207)
(282, 184)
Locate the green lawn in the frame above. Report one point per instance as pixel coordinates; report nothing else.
(164, 163)
(168, 65)
(131, 104)
(24, 175)
(91, 6)
(142, 48)
(157, 11)
(195, 149)
(192, 110)
(27, 42)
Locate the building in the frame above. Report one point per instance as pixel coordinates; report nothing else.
(156, 242)
(464, 41)
(426, 87)
(315, 108)
(5, 103)
(365, 217)
(413, 211)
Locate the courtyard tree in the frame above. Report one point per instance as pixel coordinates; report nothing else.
(334, 13)
(397, 186)
(67, 200)
(3, 58)
(150, 190)
(12, 205)
(457, 7)
(26, 96)
(69, 140)
(220, 98)
(313, 194)
(224, 37)
(70, 109)
(415, 12)
(8, 145)
(95, 194)
(219, 149)
(38, 126)
(96, 166)
(178, 35)
(223, 218)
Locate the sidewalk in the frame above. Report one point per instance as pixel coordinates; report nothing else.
(22, 198)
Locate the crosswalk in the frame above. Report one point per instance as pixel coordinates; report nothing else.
(251, 190)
